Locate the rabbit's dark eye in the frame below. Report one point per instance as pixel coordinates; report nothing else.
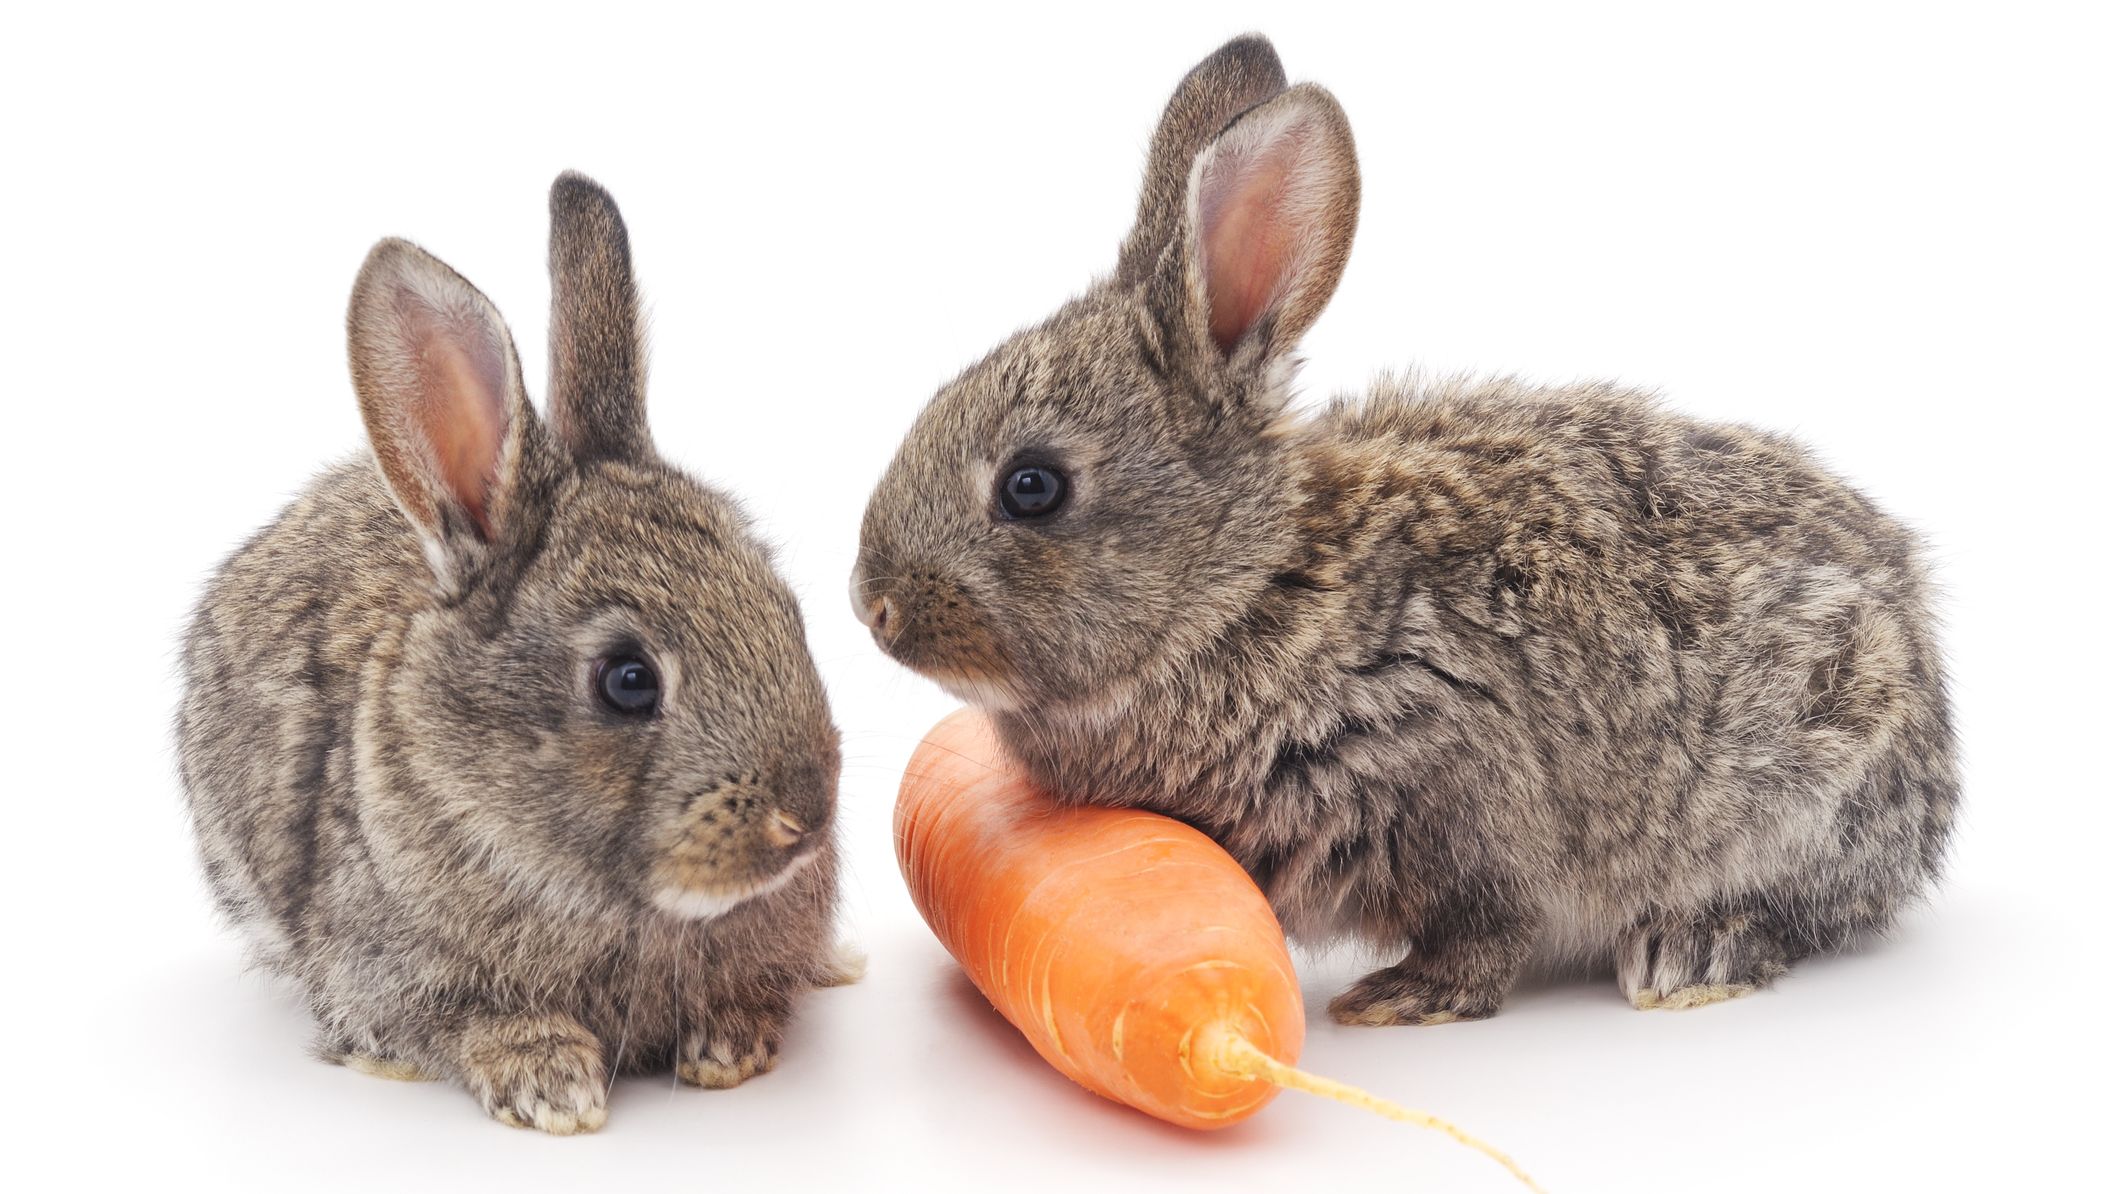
(627, 684)
(1033, 491)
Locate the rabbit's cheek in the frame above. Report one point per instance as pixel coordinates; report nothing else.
(729, 844)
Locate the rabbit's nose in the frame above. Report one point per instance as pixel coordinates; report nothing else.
(876, 613)
(784, 830)
(870, 604)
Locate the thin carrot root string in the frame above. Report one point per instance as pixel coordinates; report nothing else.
(1241, 1056)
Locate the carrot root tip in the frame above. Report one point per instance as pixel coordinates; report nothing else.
(1234, 1054)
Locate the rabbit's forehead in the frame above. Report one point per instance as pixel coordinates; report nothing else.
(667, 550)
(1088, 375)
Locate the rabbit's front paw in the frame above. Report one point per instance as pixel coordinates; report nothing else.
(736, 1045)
(1401, 995)
(544, 1072)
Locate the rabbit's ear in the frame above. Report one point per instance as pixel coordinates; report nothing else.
(598, 406)
(1244, 72)
(1270, 217)
(442, 394)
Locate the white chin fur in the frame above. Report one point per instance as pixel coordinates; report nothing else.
(691, 904)
(980, 694)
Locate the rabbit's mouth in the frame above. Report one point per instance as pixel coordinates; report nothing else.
(709, 902)
(732, 842)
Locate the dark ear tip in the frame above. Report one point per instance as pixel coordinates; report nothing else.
(1249, 55)
(1252, 44)
(575, 195)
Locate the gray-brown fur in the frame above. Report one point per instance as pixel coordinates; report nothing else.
(1460, 668)
(1241, 74)
(598, 392)
(405, 789)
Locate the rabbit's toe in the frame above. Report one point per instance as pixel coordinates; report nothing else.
(717, 1061)
(543, 1072)
(1682, 998)
(1398, 996)
(728, 1053)
(574, 1114)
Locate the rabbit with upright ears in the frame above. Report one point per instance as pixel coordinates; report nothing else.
(503, 741)
(1468, 670)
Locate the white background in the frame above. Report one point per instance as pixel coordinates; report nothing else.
(1892, 230)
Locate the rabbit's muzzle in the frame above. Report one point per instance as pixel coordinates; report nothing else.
(933, 626)
(733, 842)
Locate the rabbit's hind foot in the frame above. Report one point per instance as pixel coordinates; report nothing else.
(1672, 963)
(378, 1065)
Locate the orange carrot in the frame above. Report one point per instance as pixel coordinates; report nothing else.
(1135, 955)
(1122, 943)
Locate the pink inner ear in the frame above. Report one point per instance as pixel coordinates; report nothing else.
(1248, 239)
(463, 419)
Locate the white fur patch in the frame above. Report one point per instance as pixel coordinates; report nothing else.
(694, 904)
(978, 692)
(848, 964)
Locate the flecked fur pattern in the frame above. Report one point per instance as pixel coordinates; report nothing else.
(405, 790)
(1472, 670)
